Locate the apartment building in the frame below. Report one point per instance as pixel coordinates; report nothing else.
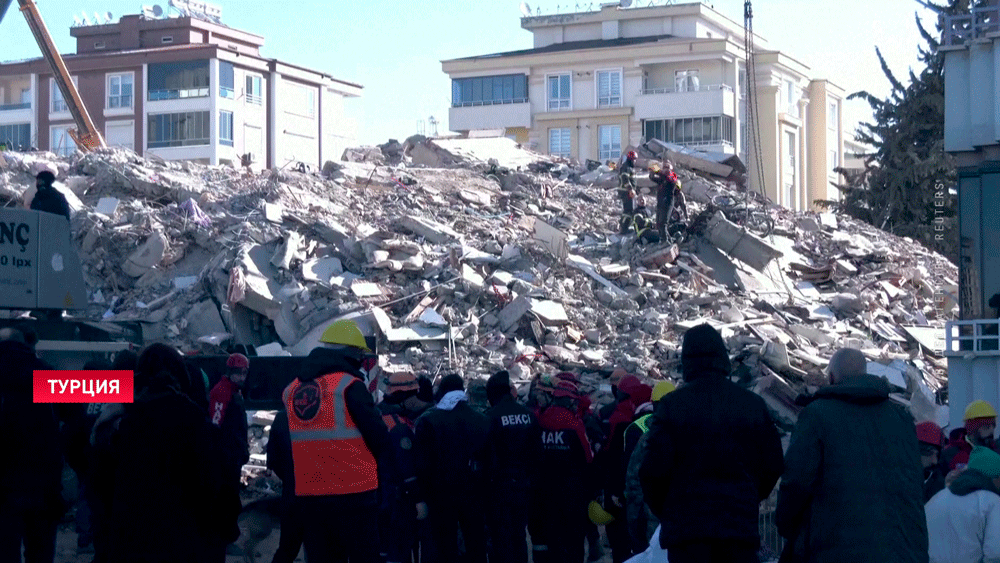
(595, 82)
(181, 88)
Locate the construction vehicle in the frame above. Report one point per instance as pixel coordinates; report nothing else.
(86, 135)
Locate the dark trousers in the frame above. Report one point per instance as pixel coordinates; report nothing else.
(508, 523)
(399, 534)
(627, 207)
(292, 531)
(558, 540)
(339, 528)
(446, 518)
(731, 552)
(593, 535)
(664, 209)
(621, 546)
(35, 526)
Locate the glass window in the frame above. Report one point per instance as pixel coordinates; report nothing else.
(609, 89)
(120, 91)
(226, 128)
(611, 142)
(171, 81)
(179, 129)
(60, 142)
(559, 142)
(559, 92)
(686, 81)
(58, 101)
(16, 137)
(791, 99)
(26, 95)
(227, 80)
(832, 117)
(834, 159)
(254, 93)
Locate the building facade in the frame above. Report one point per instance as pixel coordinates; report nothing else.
(598, 81)
(181, 88)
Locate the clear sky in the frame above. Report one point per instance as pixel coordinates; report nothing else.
(394, 48)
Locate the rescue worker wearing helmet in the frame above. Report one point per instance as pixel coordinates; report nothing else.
(228, 414)
(626, 182)
(640, 519)
(980, 425)
(336, 434)
(931, 439)
(561, 494)
(402, 502)
(667, 185)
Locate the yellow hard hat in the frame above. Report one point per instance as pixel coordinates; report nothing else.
(979, 409)
(598, 515)
(344, 332)
(661, 389)
(655, 167)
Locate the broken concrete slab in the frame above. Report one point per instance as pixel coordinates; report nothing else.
(203, 319)
(582, 263)
(107, 206)
(472, 279)
(273, 212)
(146, 256)
(662, 257)
(288, 251)
(430, 317)
(829, 221)
(322, 269)
(808, 224)
(512, 313)
(550, 312)
(931, 338)
(428, 229)
(740, 243)
(366, 289)
(554, 240)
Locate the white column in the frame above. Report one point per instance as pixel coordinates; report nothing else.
(35, 110)
(273, 126)
(144, 116)
(213, 116)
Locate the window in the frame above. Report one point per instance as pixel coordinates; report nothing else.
(559, 92)
(832, 117)
(790, 172)
(299, 100)
(120, 134)
(26, 96)
(791, 99)
(559, 142)
(254, 93)
(834, 159)
(167, 39)
(226, 128)
(120, 90)
(99, 45)
(171, 81)
(686, 81)
(691, 131)
(489, 90)
(178, 129)
(60, 142)
(611, 142)
(16, 137)
(743, 83)
(227, 80)
(609, 88)
(58, 102)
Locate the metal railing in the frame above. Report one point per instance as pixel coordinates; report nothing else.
(13, 107)
(962, 28)
(702, 88)
(489, 103)
(254, 99)
(979, 337)
(226, 92)
(158, 95)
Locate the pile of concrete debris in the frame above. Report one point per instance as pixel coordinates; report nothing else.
(473, 255)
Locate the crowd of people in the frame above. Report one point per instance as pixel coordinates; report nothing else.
(423, 476)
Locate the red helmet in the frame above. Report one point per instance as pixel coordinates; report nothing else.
(566, 388)
(238, 361)
(631, 155)
(567, 376)
(930, 433)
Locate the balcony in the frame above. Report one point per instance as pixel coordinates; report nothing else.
(159, 95)
(972, 349)
(979, 23)
(14, 107)
(15, 97)
(470, 116)
(668, 103)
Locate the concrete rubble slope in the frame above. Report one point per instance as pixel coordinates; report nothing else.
(465, 265)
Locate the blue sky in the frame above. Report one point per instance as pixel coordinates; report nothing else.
(394, 48)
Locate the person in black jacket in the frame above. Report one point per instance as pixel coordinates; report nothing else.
(229, 416)
(450, 442)
(279, 460)
(853, 485)
(31, 502)
(713, 454)
(513, 447)
(48, 198)
(931, 439)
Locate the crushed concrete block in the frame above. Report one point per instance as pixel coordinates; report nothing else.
(550, 312)
(204, 319)
(512, 313)
(662, 257)
(184, 282)
(107, 206)
(582, 263)
(472, 278)
(847, 304)
(430, 317)
(366, 289)
(322, 269)
(614, 271)
(829, 221)
(475, 197)
(288, 251)
(429, 229)
(808, 224)
(739, 243)
(273, 212)
(500, 277)
(146, 256)
(845, 267)
(554, 240)
(593, 336)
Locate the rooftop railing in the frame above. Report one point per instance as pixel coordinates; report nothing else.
(979, 337)
(702, 88)
(960, 29)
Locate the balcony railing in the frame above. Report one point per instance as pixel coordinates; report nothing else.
(702, 88)
(227, 92)
(14, 107)
(489, 103)
(255, 99)
(979, 337)
(158, 95)
(962, 28)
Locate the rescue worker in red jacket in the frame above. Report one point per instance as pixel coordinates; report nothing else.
(402, 503)
(980, 425)
(667, 185)
(336, 434)
(564, 486)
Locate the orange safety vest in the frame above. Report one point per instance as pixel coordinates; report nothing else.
(328, 453)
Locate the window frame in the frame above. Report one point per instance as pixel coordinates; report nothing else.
(107, 92)
(163, 142)
(14, 127)
(256, 99)
(507, 85)
(564, 98)
(121, 123)
(53, 89)
(567, 151)
(687, 75)
(67, 151)
(832, 115)
(231, 130)
(609, 154)
(610, 97)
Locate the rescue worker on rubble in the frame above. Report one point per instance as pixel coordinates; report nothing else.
(640, 519)
(228, 414)
(513, 446)
(402, 502)
(980, 424)
(336, 434)
(667, 188)
(450, 447)
(931, 438)
(640, 223)
(626, 182)
(48, 198)
(564, 484)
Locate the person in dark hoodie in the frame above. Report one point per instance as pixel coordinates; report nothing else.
(513, 446)
(229, 416)
(48, 198)
(853, 485)
(159, 514)
(450, 446)
(279, 460)
(931, 437)
(402, 502)
(713, 454)
(963, 521)
(336, 434)
(31, 501)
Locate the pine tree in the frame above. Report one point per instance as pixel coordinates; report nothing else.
(901, 186)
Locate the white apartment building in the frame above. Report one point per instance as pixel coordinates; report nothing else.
(598, 81)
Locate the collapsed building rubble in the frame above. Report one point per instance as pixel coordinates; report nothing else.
(474, 255)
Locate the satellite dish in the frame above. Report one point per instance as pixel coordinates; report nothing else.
(108, 17)
(624, 3)
(157, 10)
(97, 18)
(86, 19)
(77, 21)
(525, 9)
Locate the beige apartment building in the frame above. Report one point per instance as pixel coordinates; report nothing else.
(598, 81)
(181, 88)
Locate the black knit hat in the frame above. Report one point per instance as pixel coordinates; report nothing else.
(704, 353)
(498, 386)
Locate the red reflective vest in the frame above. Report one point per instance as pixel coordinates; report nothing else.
(328, 453)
